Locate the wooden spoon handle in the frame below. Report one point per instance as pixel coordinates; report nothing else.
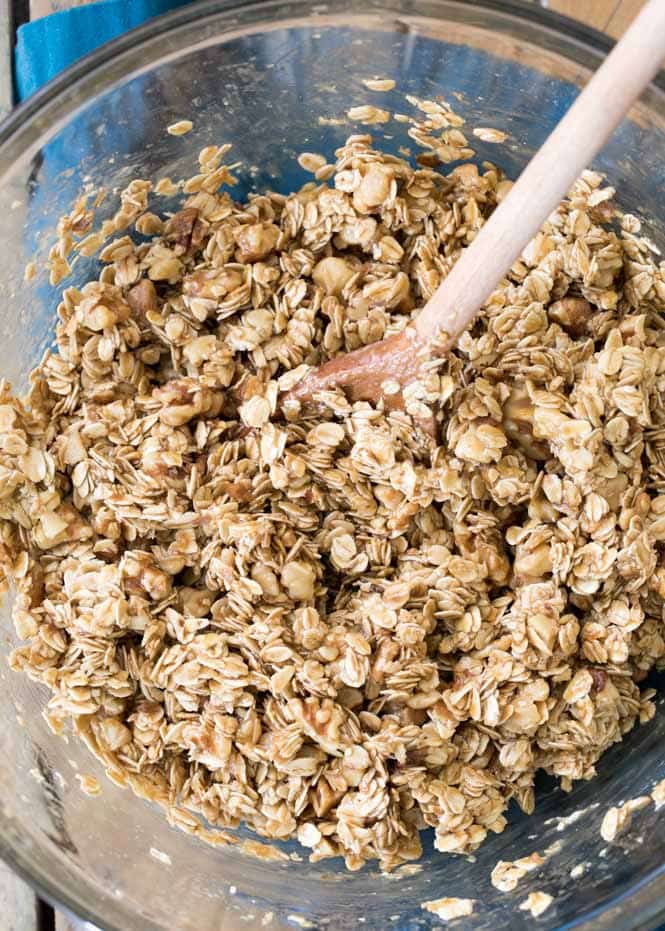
(548, 177)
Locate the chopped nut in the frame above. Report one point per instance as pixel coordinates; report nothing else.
(572, 313)
(332, 274)
(143, 297)
(256, 241)
(517, 422)
(298, 578)
(374, 188)
(181, 227)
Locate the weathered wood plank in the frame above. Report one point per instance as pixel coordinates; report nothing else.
(18, 903)
(594, 13)
(611, 16)
(6, 48)
(623, 16)
(39, 8)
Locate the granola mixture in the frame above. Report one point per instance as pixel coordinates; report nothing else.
(327, 625)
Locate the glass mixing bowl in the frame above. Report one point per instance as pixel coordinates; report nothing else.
(260, 76)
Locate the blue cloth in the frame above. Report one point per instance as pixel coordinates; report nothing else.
(48, 45)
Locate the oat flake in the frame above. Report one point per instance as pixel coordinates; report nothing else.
(180, 128)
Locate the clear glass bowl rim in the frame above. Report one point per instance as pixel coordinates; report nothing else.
(644, 905)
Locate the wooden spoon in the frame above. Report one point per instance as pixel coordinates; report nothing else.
(540, 188)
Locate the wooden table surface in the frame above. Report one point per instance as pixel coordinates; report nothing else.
(610, 16)
(20, 909)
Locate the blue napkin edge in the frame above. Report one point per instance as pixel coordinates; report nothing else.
(47, 46)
